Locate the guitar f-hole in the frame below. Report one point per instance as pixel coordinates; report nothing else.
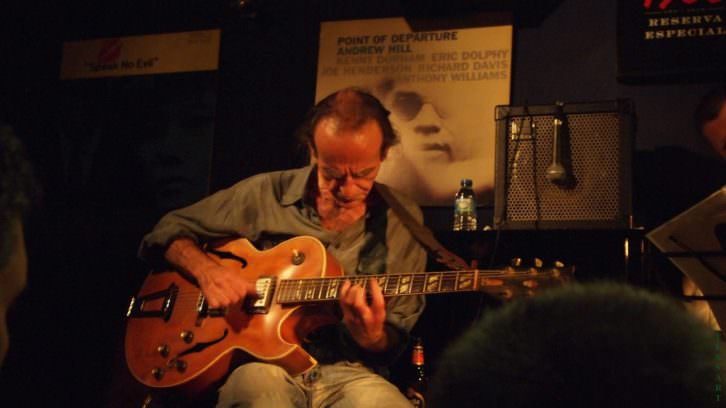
(228, 255)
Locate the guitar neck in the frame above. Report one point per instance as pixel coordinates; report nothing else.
(324, 289)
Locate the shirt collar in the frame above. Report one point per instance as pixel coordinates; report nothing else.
(298, 185)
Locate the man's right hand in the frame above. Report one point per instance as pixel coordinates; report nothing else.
(221, 285)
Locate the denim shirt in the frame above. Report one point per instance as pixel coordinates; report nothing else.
(271, 207)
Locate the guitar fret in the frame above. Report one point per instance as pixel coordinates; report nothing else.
(307, 290)
(333, 289)
(392, 288)
(281, 291)
(448, 283)
(301, 290)
(405, 285)
(304, 289)
(466, 281)
(291, 290)
(319, 285)
(310, 289)
(297, 294)
(386, 285)
(433, 282)
(395, 287)
(285, 293)
(419, 283)
(382, 281)
(314, 289)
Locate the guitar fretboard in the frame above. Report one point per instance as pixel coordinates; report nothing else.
(318, 289)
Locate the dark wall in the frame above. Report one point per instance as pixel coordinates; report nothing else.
(572, 56)
(68, 326)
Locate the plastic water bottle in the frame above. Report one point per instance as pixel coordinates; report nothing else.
(465, 208)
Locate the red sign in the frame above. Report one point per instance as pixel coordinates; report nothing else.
(664, 4)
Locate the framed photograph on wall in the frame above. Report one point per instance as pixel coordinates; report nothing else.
(137, 120)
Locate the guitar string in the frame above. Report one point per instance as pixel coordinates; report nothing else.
(298, 290)
(316, 282)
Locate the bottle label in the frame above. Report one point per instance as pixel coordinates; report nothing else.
(464, 204)
(417, 357)
(464, 214)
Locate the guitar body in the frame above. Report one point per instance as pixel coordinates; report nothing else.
(173, 340)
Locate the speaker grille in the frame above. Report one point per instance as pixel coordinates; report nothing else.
(598, 193)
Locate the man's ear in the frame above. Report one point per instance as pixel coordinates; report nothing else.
(312, 153)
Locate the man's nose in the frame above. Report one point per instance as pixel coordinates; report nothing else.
(428, 120)
(347, 185)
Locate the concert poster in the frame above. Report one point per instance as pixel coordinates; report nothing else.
(441, 87)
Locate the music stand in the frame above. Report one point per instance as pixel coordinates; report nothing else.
(694, 242)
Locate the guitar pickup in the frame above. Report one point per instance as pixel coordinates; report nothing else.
(204, 311)
(264, 286)
(259, 305)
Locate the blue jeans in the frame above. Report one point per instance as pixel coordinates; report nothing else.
(339, 385)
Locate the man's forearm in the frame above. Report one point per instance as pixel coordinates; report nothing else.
(185, 254)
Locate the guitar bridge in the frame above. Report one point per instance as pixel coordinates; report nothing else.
(157, 304)
(265, 287)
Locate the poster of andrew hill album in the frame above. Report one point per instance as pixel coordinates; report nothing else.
(441, 88)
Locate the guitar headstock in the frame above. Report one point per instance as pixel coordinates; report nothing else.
(516, 280)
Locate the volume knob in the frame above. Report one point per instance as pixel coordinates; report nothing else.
(158, 373)
(187, 336)
(163, 350)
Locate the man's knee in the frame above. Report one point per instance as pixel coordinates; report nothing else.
(258, 384)
(258, 376)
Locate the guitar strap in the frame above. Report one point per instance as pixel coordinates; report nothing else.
(422, 233)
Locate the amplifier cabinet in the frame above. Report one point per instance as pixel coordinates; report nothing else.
(592, 146)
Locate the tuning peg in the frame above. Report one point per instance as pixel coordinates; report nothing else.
(559, 264)
(515, 262)
(538, 263)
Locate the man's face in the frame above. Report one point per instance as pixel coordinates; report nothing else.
(13, 277)
(715, 132)
(347, 161)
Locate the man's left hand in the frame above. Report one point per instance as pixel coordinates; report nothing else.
(365, 321)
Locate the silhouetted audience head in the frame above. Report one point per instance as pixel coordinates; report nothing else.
(16, 188)
(594, 345)
(710, 117)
